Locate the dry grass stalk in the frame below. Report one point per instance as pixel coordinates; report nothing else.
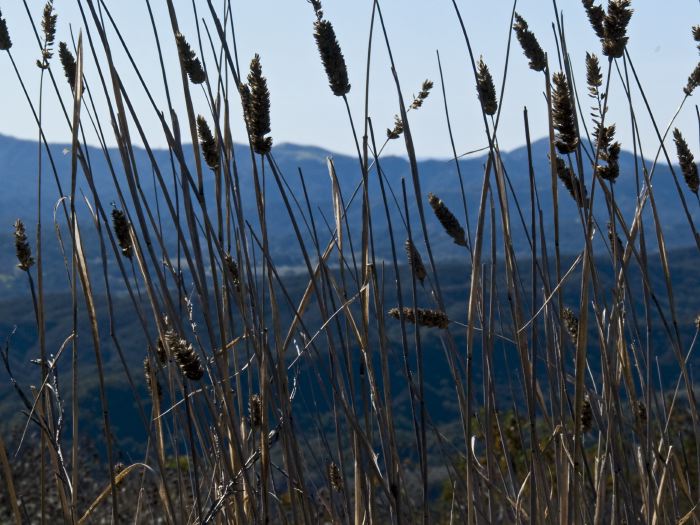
(486, 89)
(192, 65)
(564, 115)
(447, 219)
(5, 41)
(687, 161)
(422, 317)
(22, 249)
(531, 47)
(415, 261)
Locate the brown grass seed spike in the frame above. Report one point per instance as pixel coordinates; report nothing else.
(422, 317)
(485, 88)
(447, 219)
(693, 81)
(187, 359)
(256, 98)
(415, 261)
(616, 21)
(68, 62)
(48, 27)
(531, 47)
(570, 323)
(22, 249)
(121, 230)
(572, 183)
(332, 57)
(5, 41)
(687, 162)
(563, 115)
(192, 65)
(210, 149)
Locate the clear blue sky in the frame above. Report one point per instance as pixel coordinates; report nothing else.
(303, 109)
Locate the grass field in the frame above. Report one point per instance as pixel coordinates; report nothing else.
(384, 378)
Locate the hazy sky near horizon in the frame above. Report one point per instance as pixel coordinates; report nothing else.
(303, 109)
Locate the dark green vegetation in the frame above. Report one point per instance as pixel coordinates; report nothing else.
(220, 333)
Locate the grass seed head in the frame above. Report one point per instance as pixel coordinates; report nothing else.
(570, 324)
(447, 219)
(415, 261)
(531, 47)
(121, 230)
(616, 21)
(693, 81)
(594, 76)
(255, 411)
(608, 151)
(596, 16)
(564, 115)
(185, 355)
(335, 477)
(192, 65)
(422, 317)
(486, 88)
(256, 98)
(332, 57)
(572, 183)
(422, 94)
(687, 161)
(22, 249)
(232, 269)
(5, 40)
(151, 380)
(48, 27)
(210, 149)
(586, 415)
(318, 8)
(68, 62)
(397, 131)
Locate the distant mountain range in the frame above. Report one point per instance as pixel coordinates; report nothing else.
(18, 169)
